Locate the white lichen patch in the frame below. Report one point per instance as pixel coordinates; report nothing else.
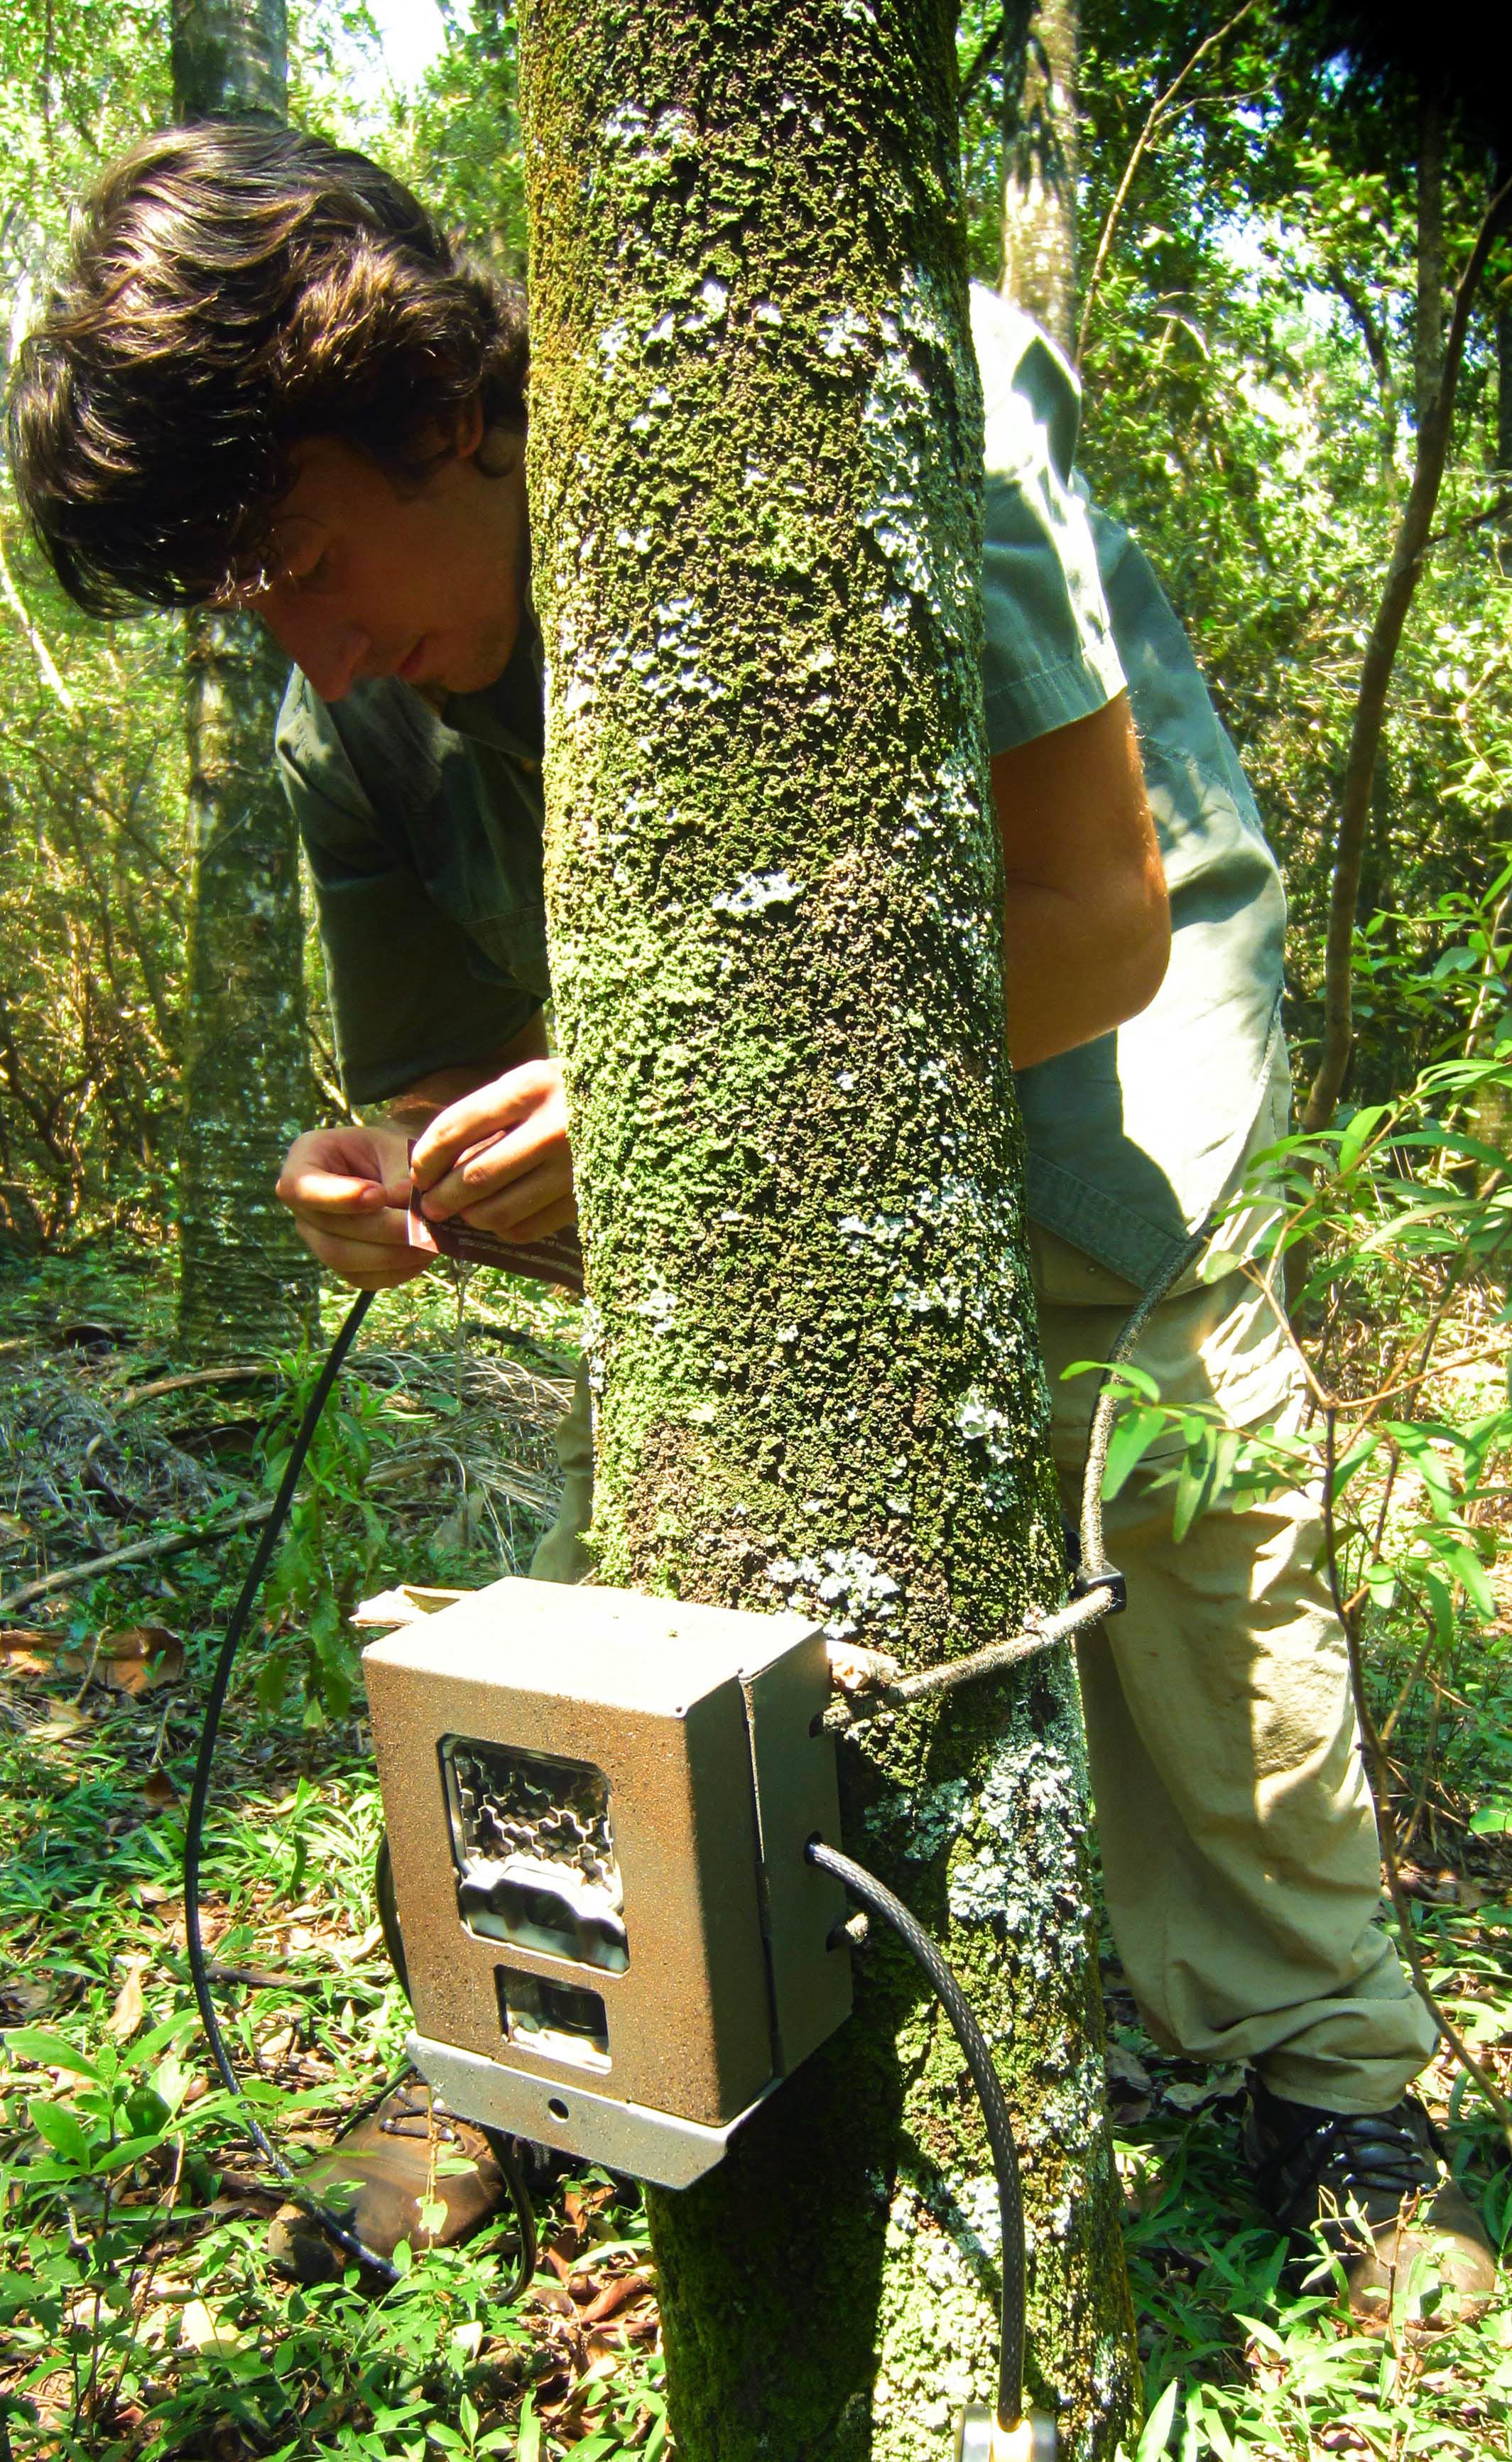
(784, 1575)
(667, 665)
(981, 2210)
(923, 1824)
(878, 1230)
(938, 2328)
(658, 1308)
(653, 144)
(942, 1298)
(755, 892)
(845, 1587)
(914, 482)
(845, 336)
(627, 124)
(1016, 1867)
(979, 1421)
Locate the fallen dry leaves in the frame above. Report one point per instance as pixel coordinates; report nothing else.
(590, 2312)
(128, 2013)
(133, 1659)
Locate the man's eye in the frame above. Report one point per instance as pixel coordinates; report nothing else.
(314, 576)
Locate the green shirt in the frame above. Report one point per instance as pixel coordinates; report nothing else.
(424, 835)
(1134, 1139)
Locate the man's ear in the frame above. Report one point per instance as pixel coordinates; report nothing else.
(470, 428)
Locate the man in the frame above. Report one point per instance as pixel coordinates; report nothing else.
(266, 377)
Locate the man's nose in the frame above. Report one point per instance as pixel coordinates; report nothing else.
(327, 648)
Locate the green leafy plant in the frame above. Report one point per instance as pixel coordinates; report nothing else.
(103, 2177)
(334, 1535)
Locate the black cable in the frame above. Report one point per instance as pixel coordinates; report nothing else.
(874, 1894)
(502, 2148)
(194, 1836)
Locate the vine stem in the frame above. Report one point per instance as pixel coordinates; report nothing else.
(1158, 111)
(1408, 554)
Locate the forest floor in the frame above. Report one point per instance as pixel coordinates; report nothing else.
(138, 2312)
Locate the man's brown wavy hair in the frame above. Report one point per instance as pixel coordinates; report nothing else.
(230, 289)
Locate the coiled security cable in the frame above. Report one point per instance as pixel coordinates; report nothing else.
(193, 1843)
(880, 1900)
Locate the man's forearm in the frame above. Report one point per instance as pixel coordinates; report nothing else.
(1086, 920)
(1075, 968)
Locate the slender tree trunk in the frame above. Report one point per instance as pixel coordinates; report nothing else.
(773, 889)
(1373, 334)
(230, 60)
(246, 1089)
(1428, 331)
(245, 1277)
(1502, 312)
(1039, 163)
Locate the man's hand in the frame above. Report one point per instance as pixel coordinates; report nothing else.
(348, 1191)
(499, 1158)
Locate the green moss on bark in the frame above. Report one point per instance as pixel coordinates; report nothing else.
(773, 888)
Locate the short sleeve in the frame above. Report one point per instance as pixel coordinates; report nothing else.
(1048, 654)
(401, 976)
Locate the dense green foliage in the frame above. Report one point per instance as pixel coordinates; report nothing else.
(1249, 413)
(1250, 366)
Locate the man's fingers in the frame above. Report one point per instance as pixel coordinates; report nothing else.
(559, 1215)
(384, 1226)
(365, 1266)
(537, 1202)
(485, 1115)
(309, 1190)
(483, 1177)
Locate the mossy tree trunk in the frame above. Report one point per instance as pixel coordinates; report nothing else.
(245, 1276)
(773, 891)
(1039, 163)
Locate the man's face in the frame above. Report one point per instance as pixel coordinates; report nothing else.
(370, 579)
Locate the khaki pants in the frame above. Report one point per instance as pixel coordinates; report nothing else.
(1238, 1844)
(1238, 1834)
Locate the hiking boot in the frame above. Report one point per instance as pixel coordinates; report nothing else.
(1374, 2188)
(376, 2177)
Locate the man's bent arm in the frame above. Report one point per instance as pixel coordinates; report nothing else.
(1087, 921)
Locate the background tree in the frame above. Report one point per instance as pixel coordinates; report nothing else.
(246, 1086)
(1040, 157)
(773, 887)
